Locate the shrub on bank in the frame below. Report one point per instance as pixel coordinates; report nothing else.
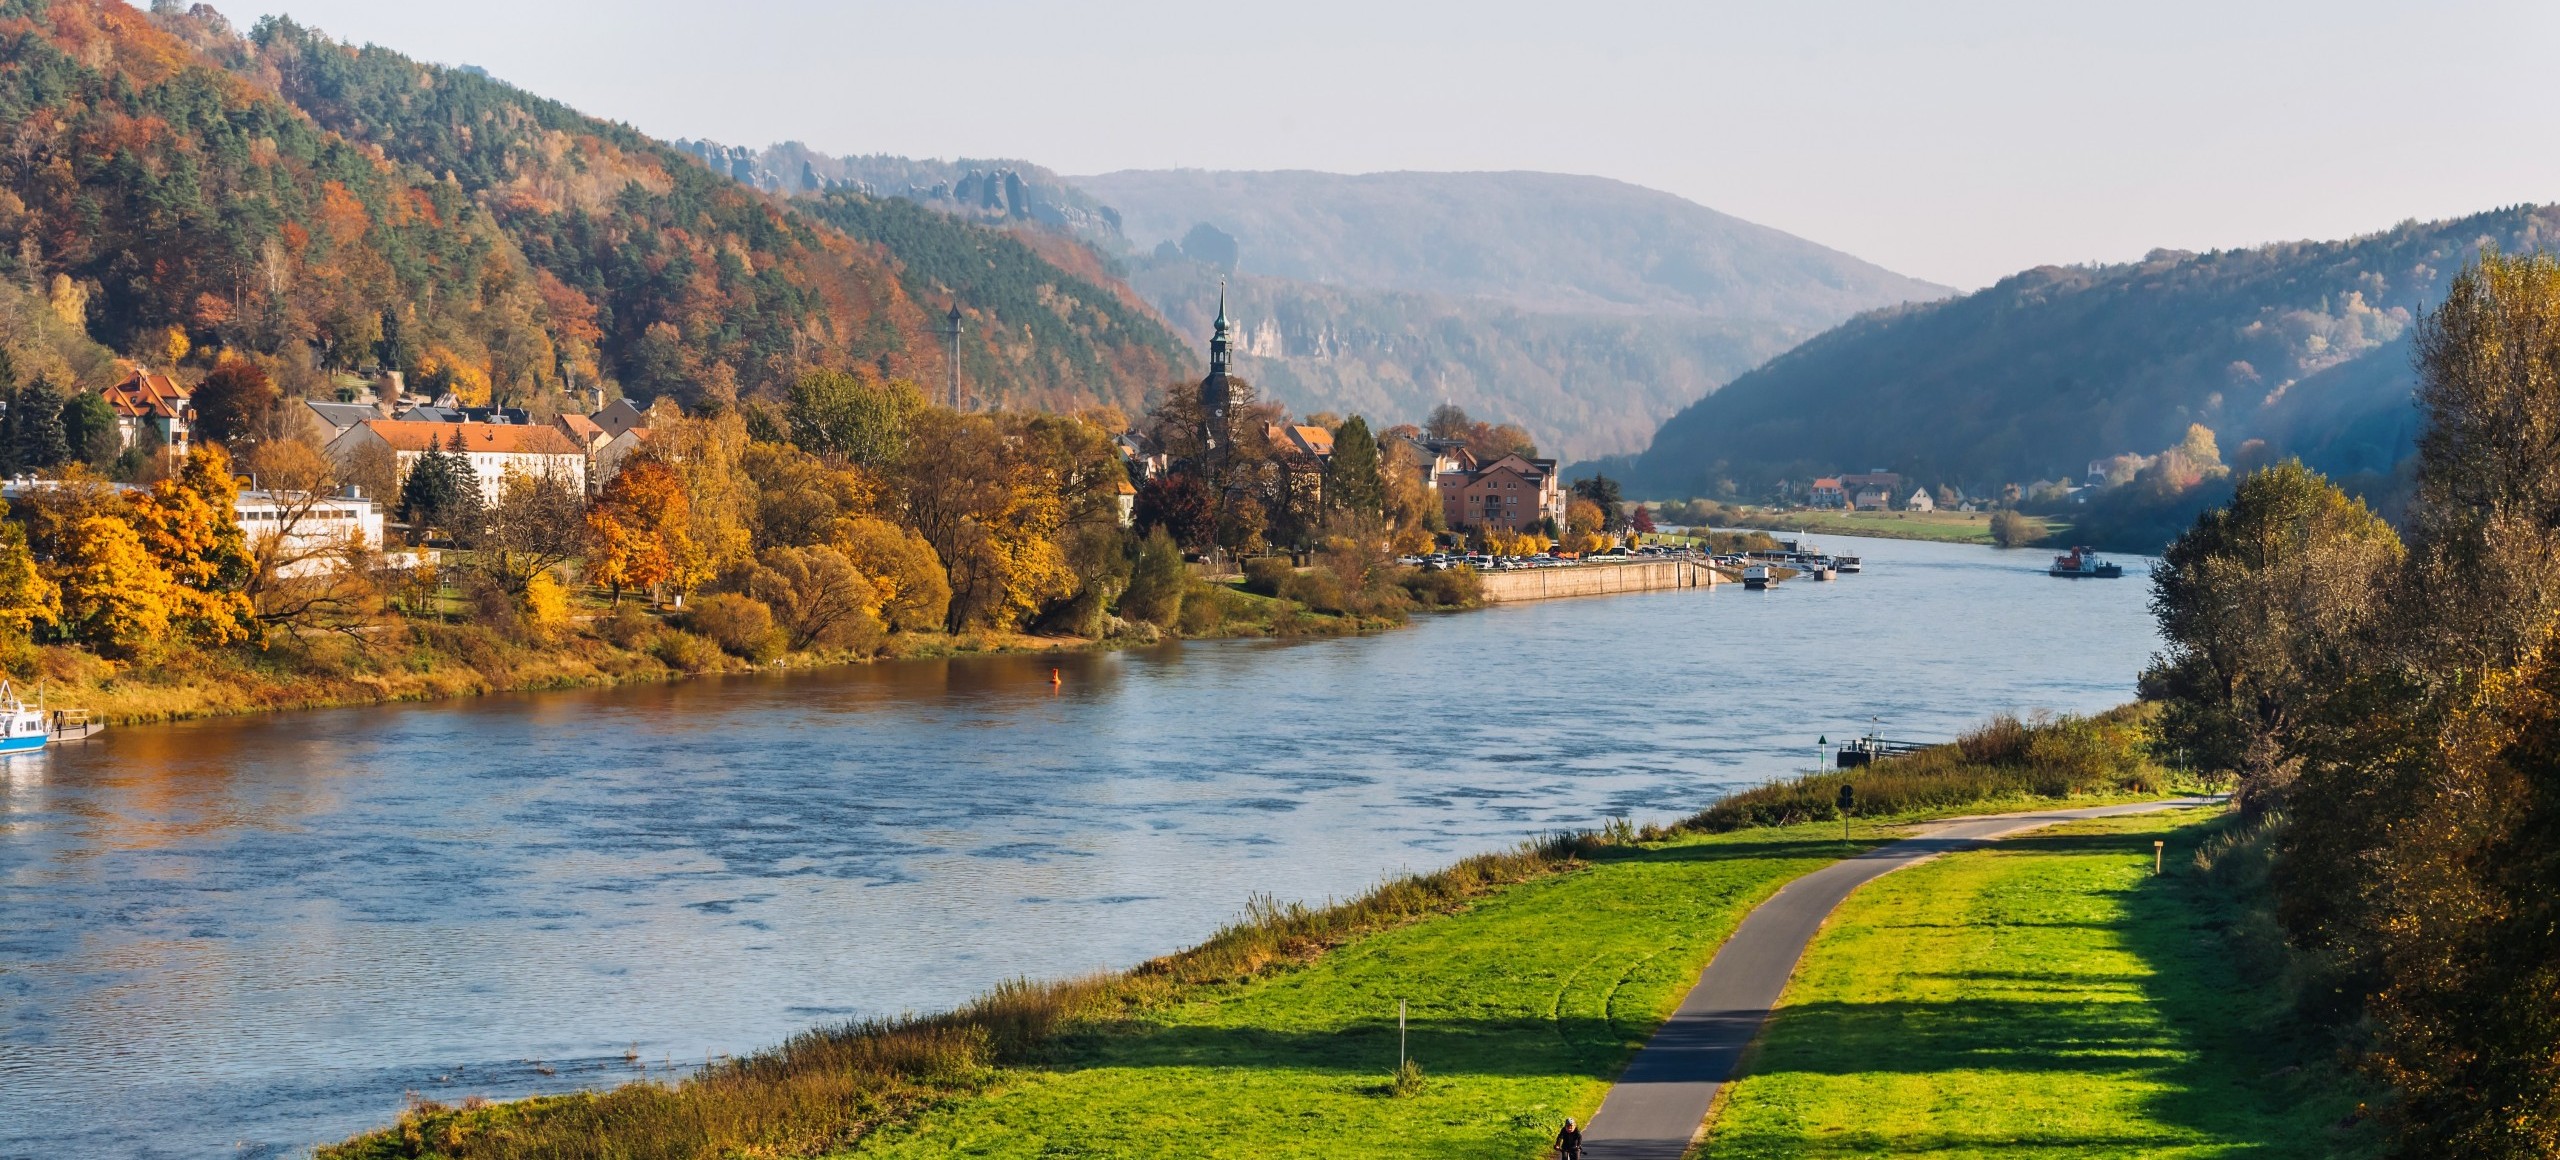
(2003, 759)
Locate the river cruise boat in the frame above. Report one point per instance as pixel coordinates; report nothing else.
(1848, 565)
(1755, 576)
(25, 728)
(2084, 563)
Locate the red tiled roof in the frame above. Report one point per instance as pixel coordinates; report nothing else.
(147, 394)
(495, 438)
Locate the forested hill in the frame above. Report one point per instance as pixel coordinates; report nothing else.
(2301, 345)
(335, 208)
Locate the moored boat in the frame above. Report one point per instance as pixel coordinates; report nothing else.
(1845, 564)
(1755, 576)
(2084, 563)
(25, 728)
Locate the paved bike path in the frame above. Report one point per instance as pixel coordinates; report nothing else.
(1661, 1101)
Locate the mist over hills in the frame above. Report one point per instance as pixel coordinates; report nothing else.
(1583, 308)
(2302, 346)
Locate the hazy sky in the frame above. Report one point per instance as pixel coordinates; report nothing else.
(1951, 141)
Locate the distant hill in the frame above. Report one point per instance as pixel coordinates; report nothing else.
(1582, 308)
(336, 208)
(2303, 346)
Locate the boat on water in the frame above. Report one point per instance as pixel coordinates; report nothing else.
(25, 728)
(1822, 569)
(1756, 577)
(1845, 564)
(2084, 562)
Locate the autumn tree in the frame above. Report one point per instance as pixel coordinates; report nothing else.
(1180, 503)
(819, 598)
(299, 578)
(538, 524)
(914, 590)
(831, 412)
(116, 598)
(236, 404)
(638, 527)
(28, 598)
(2262, 605)
(187, 524)
(802, 498)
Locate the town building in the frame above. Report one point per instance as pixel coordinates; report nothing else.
(154, 402)
(606, 461)
(619, 416)
(589, 435)
(492, 449)
(1827, 493)
(1920, 501)
(1873, 499)
(1513, 493)
(307, 531)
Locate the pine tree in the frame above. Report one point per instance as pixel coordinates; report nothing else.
(36, 440)
(1357, 486)
(89, 426)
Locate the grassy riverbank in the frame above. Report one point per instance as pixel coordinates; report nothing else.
(2048, 998)
(427, 658)
(1942, 527)
(1529, 979)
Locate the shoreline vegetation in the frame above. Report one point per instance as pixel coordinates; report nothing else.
(919, 1085)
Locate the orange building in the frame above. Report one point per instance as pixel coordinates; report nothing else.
(1512, 493)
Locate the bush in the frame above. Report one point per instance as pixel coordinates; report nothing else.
(1268, 575)
(1316, 588)
(685, 651)
(1156, 582)
(1449, 588)
(1205, 607)
(630, 626)
(742, 626)
(2011, 530)
(2106, 754)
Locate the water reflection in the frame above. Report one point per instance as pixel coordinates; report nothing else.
(263, 932)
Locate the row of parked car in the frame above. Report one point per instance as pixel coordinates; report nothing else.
(1483, 562)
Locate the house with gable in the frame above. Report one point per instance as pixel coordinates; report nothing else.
(492, 449)
(155, 402)
(1512, 493)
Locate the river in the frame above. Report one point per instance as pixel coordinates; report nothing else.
(246, 937)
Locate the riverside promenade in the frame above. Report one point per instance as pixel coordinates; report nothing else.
(1597, 580)
(1660, 1104)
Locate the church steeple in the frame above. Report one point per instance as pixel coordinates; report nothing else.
(1218, 334)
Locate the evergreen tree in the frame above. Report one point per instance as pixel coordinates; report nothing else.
(441, 492)
(36, 440)
(89, 426)
(1357, 486)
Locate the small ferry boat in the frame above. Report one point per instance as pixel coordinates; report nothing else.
(2084, 562)
(1755, 577)
(1845, 564)
(24, 727)
(1822, 569)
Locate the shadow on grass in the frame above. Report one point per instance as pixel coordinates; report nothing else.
(1778, 849)
(1451, 1049)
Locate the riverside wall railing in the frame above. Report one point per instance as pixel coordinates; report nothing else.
(1597, 580)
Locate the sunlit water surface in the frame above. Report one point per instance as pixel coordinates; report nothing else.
(248, 937)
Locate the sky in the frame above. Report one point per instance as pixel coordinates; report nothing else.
(1953, 141)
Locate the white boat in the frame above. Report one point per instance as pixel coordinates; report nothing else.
(25, 728)
(1755, 576)
(1846, 564)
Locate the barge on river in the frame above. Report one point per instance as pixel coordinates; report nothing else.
(2083, 563)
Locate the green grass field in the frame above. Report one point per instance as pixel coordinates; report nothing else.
(1946, 527)
(1521, 1008)
(2044, 998)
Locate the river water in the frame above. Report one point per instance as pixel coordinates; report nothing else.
(243, 938)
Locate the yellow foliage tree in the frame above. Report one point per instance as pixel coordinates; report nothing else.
(27, 597)
(116, 598)
(915, 594)
(187, 524)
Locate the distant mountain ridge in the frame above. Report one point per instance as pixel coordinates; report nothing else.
(1582, 308)
(2301, 346)
(1546, 242)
